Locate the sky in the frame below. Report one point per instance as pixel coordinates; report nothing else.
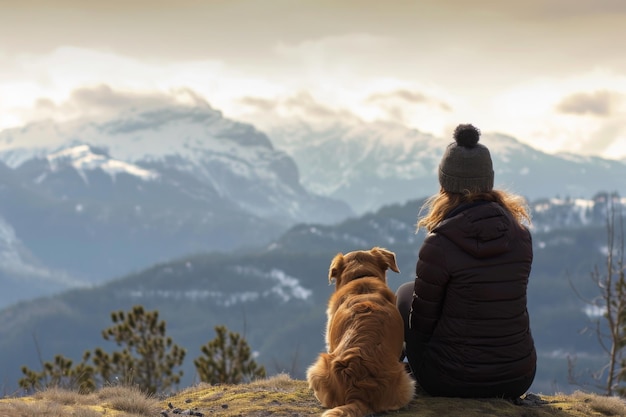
(551, 73)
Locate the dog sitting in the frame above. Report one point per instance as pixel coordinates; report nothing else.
(361, 372)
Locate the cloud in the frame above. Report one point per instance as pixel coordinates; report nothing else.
(103, 96)
(302, 105)
(104, 101)
(305, 103)
(268, 114)
(259, 103)
(325, 56)
(409, 106)
(408, 96)
(565, 8)
(609, 139)
(599, 103)
(550, 10)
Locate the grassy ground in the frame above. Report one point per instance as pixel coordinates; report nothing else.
(282, 396)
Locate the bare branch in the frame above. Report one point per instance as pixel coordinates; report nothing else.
(612, 287)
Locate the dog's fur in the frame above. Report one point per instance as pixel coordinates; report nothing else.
(361, 372)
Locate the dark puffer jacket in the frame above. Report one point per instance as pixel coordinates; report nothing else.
(469, 304)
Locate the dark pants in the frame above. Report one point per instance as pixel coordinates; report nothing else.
(428, 376)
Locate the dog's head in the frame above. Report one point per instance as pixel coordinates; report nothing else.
(371, 263)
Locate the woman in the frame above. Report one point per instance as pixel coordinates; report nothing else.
(467, 329)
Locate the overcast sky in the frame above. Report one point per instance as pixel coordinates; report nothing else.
(551, 73)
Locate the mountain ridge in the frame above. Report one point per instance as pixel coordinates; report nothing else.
(378, 163)
(96, 199)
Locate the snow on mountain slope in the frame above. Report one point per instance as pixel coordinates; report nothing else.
(136, 135)
(234, 159)
(82, 158)
(373, 164)
(367, 165)
(390, 149)
(279, 286)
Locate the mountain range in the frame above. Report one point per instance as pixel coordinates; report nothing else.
(212, 221)
(276, 295)
(86, 201)
(370, 165)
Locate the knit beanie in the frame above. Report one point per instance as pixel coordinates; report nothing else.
(466, 164)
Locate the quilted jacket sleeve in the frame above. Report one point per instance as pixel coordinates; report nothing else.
(430, 286)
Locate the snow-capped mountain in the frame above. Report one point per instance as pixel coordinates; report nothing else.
(233, 160)
(572, 213)
(97, 198)
(100, 198)
(373, 164)
(367, 165)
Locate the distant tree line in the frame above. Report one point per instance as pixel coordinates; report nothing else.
(147, 358)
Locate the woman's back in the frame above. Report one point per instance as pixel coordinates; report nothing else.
(482, 332)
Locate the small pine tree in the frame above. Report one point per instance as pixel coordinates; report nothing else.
(227, 359)
(148, 357)
(60, 373)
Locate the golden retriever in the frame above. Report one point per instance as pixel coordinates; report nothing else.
(361, 372)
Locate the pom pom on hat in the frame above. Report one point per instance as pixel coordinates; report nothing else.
(466, 165)
(466, 135)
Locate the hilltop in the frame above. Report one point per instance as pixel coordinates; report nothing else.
(283, 396)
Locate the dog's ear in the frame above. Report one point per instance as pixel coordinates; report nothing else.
(336, 268)
(387, 257)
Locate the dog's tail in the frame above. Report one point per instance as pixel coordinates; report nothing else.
(352, 409)
(353, 376)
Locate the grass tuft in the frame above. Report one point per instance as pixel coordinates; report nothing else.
(61, 396)
(129, 400)
(606, 406)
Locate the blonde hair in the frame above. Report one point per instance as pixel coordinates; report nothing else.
(441, 204)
